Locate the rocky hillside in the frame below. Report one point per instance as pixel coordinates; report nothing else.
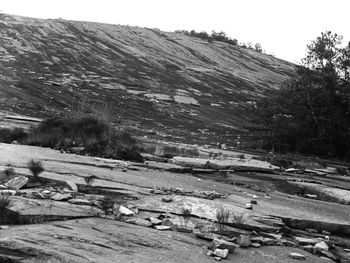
(168, 82)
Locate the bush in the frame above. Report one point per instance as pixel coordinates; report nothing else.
(96, 136)
(36, 167)
(10, 135)
(238, 218)
(222, 217)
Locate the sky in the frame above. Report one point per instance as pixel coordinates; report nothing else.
(282, 27)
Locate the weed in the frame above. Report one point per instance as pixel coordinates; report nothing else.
(36, 167)
(107, 204)
(222, 217)
(10, 135)
(186, 213)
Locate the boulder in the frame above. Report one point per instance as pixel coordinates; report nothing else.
(244, 241)
(17, 182)
(222, 244)
(221, 253)
(321, 246)
(155, 221)
(296, 256)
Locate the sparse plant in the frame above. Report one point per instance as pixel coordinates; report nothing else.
(36, 167)
(186, 213)
(222, 217)
(107, 204)
(238, 218)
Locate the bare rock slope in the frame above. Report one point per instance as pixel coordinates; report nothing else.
(149, 77)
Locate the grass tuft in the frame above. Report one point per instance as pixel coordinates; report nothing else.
(36, 167)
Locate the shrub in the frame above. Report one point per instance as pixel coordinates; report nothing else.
(186, 212)
(95, 135)
(5, 203)
(9, 172)
(107, 204)
(10, 135)
(238, 218)
(222, 217)
(36, 167)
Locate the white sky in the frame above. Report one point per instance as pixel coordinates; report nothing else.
(282, 27)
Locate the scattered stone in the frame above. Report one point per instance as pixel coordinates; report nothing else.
(249, 206)
(163, 228)
(222, 253)
(311, 196)
(255, 245)
(321, 246)
(328, 254)
(167, 199)
(2, 187)
(217, 258)
(210, 253)
(255, 197)
(244, 241)
(17, 182)
(188, 228)
(46, 192)
(4, 227)
(125, 211)
(72, 186)
(155, 221)
(346, 250)
(297, 256)
(310, 230)
(139, 222)
(78, 201)
(171, 222)
(222, 244)
(253, 202)
(61, 197)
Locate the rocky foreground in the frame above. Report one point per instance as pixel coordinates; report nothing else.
(167, 211)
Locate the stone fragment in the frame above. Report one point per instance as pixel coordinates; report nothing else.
(222, 244)
(162, 228)
(307, 241)
(309, 248)
(167, 199)
(222, 253)
(72, 186)
(17, 182)
(217, 258)
(61, 197)
(4, 227)
(125, 211)
(210, 253)
(187, 228)
(244, 241)
(78, 201)
(253, 202)
(249, 206)
(155, 221)
(255, 245)
(296, 256)
(139, 222)
(205, 235)
(328, 254)
(2, 187)
(324, 232)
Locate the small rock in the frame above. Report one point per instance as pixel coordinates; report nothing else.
(167, 199)
(311, 196)
(72, 186)
(4, 227)
(78, 201)
(346, 250)
(46, 192)
(125, 211)
(307, 241)
(222, 253)
(217, 258)
(309, 248)
(297, 256)
(139, 222)
(253, 202)
(205, 236)
(155, 221)
(255, 197)
(244, 241)
(163, 228)
(255, 245)
(210, 253)
(324, 232)
(2, 187)
(249, 206)
(61, 197)
(185, 228)
(328, 254)
(222, 244)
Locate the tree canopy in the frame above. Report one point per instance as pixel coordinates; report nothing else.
(310, 114)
